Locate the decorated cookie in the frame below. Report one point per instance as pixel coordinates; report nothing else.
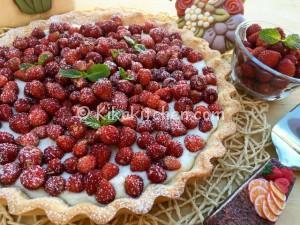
(213, 20)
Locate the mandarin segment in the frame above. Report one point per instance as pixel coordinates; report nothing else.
(259, 205)
(267, 212)
(256, 192)
(272, 205)
(258, 182)
(280, 204)
(277, 192)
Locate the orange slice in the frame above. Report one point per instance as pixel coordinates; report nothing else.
(280, 204)
(256, 192)
(277, 192)
(272, 205)
(259, 205)
(267, 212)
(258, 182)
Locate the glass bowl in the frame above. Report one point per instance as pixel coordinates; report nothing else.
(262, 82)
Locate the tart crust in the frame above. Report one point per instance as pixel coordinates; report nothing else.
(56, 209)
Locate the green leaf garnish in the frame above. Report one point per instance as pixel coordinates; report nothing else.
(71, 73)
(97, 71)
(25, 66)
(111, 118)
(292, 41)
(124, 75)
(93, 74)
(267, 170)
(116, 52)
(91, 121)
(42, 59)
(270, 35)
(136, 46)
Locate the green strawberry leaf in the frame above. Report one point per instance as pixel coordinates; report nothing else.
(71, 73)
(139, 47)
(91, 121)
(136, 46)
(111, 118)
(97, 71)
(292, 41)
(25, 66)
(124, 75)
(42, 59)
(130, 41)
(270, 35)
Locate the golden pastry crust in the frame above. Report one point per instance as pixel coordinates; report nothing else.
(60, 212)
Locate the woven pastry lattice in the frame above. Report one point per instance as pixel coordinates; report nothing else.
(246, 152)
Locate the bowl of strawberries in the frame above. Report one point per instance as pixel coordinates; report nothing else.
(266, 61)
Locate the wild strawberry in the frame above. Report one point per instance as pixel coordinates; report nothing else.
(127, 137)
(8, 153)
(140, 162)
(248, 70)
(153, 101)
(264, 88)
(253, 29)
(22, 105)
(80, 149)
(54, 131)
(145, 126)
(215, 108)
(171, 163)
(256, 51)
(55, 167)
(109, 170)
(145, 139)
(40, 132)
(288, 174)
(129, 121)
(50, 105)
(105, 192)
(157, 34)
(194, 56)
(33, 178)
(55, 185)
(38, 117)
(91, 181)
(163, 138)
(175, 64)
(76, 128)
(65, 142)
(102, 153)
(177, 128)
(147, 58)
(270, 58)
(86, 163)
(156, 174)
(189, 119)
(174, 148)
(194, 143)
(211, 79)
(9, 173)
(196, 96)
(161, 122)
(134, 185)
(156, 151)
(70, 164)
(283, 184)
(8, 97)
(202, 111)
(264, 76)
(181, 90)
(13, 64)
(75, 183)
(144, 76)
(183, 104)
(19, 123)
(205, 125)
(108, 135)
(125, 86)
(3, 81)
(28, 139)
(51, 69)
(124, 156)
(6, 137)
(210, 95)
(35, 73)
(253, 38)
(119, 100)
(286, 66)
(52, 152)
(55, 90)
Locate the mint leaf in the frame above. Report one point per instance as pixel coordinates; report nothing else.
(97, 71)
(42, 59)
(111, 118)
(270, 35)
(91, 121)
(25, 66)
(71, 73)
(124, 75)
(130, 41)
(136, 46)
(292, 41)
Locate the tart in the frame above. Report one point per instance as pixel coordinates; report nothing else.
(107, 110)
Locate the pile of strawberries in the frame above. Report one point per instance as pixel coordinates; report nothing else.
(278, 56)
(143, 79)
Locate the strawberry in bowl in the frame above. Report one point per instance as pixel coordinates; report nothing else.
(266, 60)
